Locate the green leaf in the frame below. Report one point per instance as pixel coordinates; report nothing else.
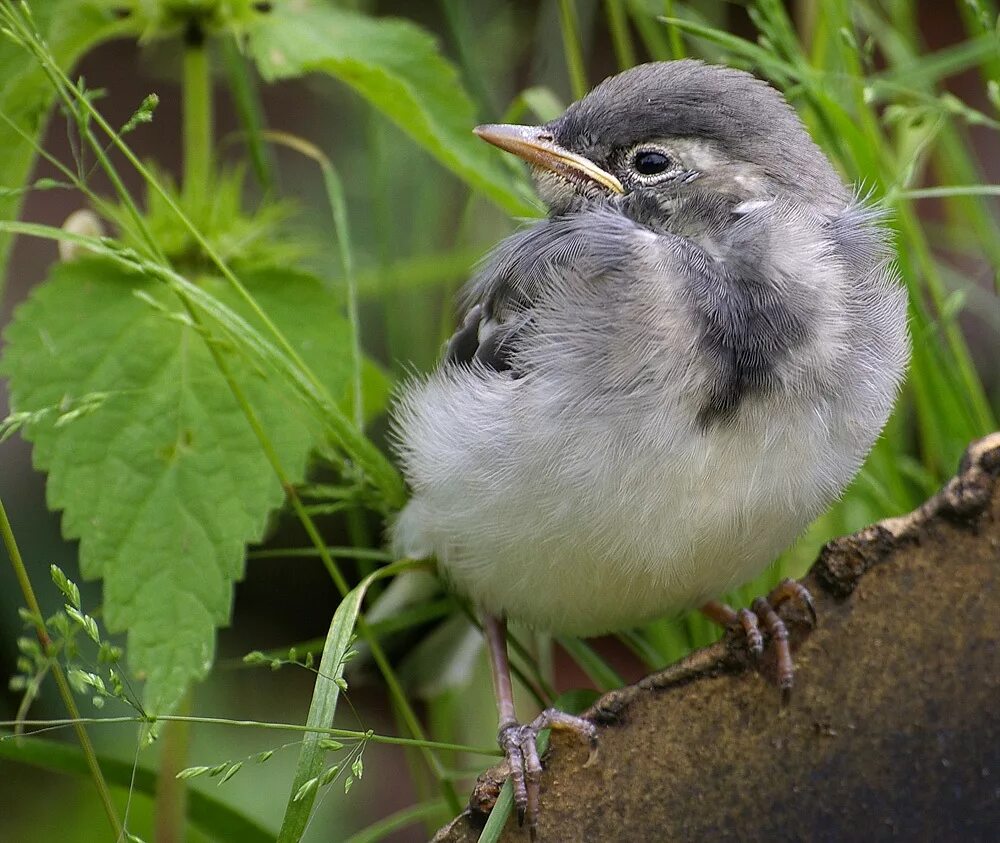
(70, 28)
(429, 812)
(206, 813)
(398, 68)
(165, 482)
(323, 706)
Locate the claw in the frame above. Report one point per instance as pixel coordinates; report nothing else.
(520, 745)
(778, 633)
(789, 589)
(763, 615)
(751, 629)
(511, 741)
(532, 777)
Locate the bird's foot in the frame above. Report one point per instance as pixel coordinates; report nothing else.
(762, 619)
(524, 766)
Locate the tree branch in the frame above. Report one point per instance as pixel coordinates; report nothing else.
(893, 730)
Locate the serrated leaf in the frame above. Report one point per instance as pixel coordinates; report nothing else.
(70, 28)
(165, 482)
(398, 68)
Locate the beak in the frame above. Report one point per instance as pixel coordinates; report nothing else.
(537, 146)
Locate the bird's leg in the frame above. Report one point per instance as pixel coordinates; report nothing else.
(520, 742)
(763, 613)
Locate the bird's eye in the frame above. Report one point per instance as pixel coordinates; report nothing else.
(650, 162)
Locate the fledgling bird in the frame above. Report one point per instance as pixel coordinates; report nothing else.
(655, 389)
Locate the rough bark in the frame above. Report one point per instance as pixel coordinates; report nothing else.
(893, 731)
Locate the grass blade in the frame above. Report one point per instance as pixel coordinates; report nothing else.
(326, 694)
(394, 822)
(209, 815)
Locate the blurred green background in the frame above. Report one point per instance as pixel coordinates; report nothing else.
(903, 95)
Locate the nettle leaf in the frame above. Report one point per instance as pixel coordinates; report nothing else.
(70, 28)
(164, 482)
(398, 68)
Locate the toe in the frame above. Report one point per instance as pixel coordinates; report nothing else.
(511, 742)
(533, 780)
(793, 590)
(778, 633)
(750, 625)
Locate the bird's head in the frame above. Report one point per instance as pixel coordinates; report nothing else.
(652, 133)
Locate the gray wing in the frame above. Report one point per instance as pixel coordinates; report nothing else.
(498, 302)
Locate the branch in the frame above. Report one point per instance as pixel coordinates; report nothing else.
(893, 731)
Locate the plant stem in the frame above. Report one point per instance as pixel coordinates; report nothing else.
(621, 40)
(197, 123)
(351, 734)
(170, 810)
(570, 28)
(69, 93)
(246, 99)
(676, 42)
(338, 209)
(21, 572)
(946, 191)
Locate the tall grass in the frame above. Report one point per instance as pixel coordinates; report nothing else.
(874, 95)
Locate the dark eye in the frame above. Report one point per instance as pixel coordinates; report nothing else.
(650, 162)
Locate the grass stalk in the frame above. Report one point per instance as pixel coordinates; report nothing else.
(621, 38)
(197, 122)
(266, 725)
(569, 26)
(65, 693)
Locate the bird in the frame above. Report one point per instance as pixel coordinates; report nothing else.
(655, 388)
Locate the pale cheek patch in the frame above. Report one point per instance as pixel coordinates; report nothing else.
(555, 191)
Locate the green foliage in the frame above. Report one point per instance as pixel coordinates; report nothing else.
(166, 483)
(397, 67)
(309, 775)
(235, 235)
(206, 812)
(180, 380)
(71, 28)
